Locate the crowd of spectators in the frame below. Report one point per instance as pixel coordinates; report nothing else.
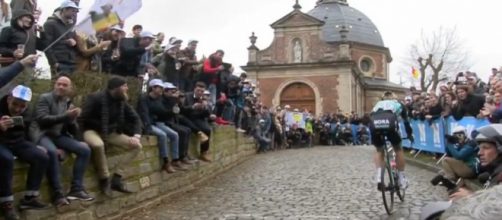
(181, 96)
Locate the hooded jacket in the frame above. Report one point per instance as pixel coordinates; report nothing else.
(61, 52)
(14, 34)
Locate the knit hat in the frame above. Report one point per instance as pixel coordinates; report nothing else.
(116, 82)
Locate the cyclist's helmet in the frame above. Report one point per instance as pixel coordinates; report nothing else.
(388, 95)
(491, 133)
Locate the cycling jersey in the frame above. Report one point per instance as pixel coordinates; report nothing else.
(389, 105)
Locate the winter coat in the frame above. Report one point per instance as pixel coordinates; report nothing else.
(61, 52)
(14, 35)
(105, 114)
(130, 57)
(50, 118)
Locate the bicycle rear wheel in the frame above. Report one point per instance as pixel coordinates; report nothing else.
(387, 186)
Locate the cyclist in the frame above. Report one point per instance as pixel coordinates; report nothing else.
(384, 121)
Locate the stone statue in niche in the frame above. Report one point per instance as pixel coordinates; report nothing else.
(297, 52)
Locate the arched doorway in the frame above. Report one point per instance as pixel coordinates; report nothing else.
(299, 95)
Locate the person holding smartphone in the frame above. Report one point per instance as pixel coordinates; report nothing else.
(13, 125)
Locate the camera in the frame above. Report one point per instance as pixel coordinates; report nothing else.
(451, 139)
(443, 181)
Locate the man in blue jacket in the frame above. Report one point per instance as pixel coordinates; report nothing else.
(461, 160)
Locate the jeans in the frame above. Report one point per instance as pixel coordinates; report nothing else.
(213, 90)
(162, 139)
(184, 137)
(97, 144)
(173, 136)
(29, 153)
(229, 111)
(70, 145)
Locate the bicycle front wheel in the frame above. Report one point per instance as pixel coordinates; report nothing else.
(386, 186)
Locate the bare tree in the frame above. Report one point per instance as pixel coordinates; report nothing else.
(438, 56)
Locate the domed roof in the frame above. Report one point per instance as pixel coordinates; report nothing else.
(337, 14)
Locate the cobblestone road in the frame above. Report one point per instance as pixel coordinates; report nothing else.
(316, 183)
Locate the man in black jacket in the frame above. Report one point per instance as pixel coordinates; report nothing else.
(14, 122)
(131, 52)
(199, 113)
(61, 56)
(171, 119)
(105, 118)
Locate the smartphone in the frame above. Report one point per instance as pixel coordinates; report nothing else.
(18, 120)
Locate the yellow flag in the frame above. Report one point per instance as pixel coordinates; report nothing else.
(415, 73)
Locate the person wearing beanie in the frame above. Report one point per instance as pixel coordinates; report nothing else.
(108, 118)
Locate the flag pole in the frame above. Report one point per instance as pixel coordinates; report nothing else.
(65, 33)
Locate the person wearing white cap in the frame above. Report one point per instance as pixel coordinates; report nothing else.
(189, 60)
(59, 30)
(111, 55)
(13, 112)
(172, 118)
(135, 55)
(168, 65)
(175, 41)
(150, 109)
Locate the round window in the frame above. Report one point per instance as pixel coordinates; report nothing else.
(366, 65)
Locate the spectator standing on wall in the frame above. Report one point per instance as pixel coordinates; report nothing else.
(19, 39)
(111, 55)
(61, 55)
(157, 44)
(212, 66)
(136, 31)
(131, 52)
(188, 63)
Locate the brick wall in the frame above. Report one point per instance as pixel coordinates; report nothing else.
(143, 176)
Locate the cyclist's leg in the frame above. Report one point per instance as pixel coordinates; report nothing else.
(378, 159)
(395, 140)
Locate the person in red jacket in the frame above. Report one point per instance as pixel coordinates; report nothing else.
(212, 66)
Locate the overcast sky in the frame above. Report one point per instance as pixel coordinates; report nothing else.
(227, 24)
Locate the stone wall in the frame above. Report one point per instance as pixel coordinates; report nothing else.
(143, 176)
